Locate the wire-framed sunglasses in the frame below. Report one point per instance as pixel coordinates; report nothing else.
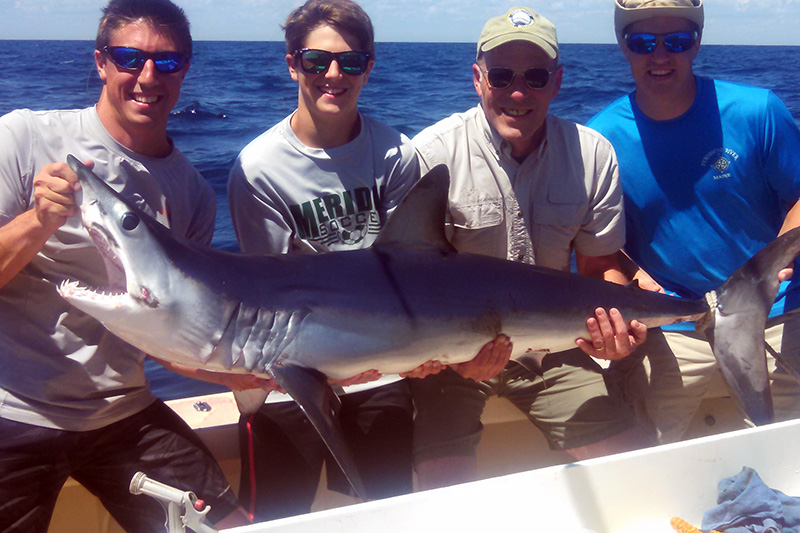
(352, 62)
(502, 77)
(675, 42)
(134, 59)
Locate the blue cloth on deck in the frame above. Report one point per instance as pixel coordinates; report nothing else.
(747, 505)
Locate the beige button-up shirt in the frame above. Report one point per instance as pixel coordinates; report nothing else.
(564, 196)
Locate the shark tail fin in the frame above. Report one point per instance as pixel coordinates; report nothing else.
(735, 326)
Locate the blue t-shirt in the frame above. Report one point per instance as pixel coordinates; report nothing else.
(705, 191)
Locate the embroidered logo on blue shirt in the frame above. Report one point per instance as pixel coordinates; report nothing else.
(720, 160)
(721, 164)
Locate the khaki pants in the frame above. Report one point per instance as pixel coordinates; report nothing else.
(679, 369)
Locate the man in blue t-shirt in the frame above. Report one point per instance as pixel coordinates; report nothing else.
(710, 175)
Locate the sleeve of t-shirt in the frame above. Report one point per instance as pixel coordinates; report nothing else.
(403, 174)
(16, 166)
(259, 226)
(204, 223)
(782, 150)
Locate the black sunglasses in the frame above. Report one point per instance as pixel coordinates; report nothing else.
(134, 59)
(502, 77)
(675, 42)
(352, 62)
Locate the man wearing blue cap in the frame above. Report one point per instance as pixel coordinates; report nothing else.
(710, 174)
(530, 187)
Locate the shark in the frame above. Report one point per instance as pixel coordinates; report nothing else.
(409, 298)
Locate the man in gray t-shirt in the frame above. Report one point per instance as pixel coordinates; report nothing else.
(324, 179)
(74, 400)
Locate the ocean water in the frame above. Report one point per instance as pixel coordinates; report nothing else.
(236, 90)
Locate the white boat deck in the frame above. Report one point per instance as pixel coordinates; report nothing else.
(510, 444)
(633, 492)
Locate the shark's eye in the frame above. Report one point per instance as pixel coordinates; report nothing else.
(129, 221)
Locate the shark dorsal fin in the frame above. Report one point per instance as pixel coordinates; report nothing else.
(418, 221)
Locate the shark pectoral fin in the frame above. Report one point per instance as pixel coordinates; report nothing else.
(249, 401)
(738, 344)
(310, 389)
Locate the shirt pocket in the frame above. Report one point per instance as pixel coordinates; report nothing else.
(560, 208)
(478, 226)
(474, 213)
(555, 224)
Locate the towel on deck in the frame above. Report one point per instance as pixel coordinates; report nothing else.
(747, 505)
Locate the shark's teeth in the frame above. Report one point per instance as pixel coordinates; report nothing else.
(74, 290)
(68, 288)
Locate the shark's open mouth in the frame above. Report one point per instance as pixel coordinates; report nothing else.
(115, 291)
(117, 286)
(115, 271)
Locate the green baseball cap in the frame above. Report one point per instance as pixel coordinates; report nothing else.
(519, 24)
(626, 12)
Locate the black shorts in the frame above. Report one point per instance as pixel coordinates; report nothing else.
(282, 454)
(36, 461)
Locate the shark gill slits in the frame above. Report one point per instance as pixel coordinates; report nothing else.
(130, 221)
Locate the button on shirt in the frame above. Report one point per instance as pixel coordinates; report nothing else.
(565, 195)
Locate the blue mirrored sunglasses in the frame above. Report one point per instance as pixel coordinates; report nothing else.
(352, 62)
(134, 59)
(675, 42)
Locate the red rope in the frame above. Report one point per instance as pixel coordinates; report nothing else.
(251, 459)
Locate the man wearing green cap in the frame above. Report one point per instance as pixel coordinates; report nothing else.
(710, 174)
(530, 187)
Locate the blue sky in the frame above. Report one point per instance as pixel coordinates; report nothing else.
(577, 21)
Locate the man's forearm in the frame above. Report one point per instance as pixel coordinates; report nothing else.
(20, 241)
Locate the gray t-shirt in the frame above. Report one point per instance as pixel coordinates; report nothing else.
(61, 368)
(286, 197)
